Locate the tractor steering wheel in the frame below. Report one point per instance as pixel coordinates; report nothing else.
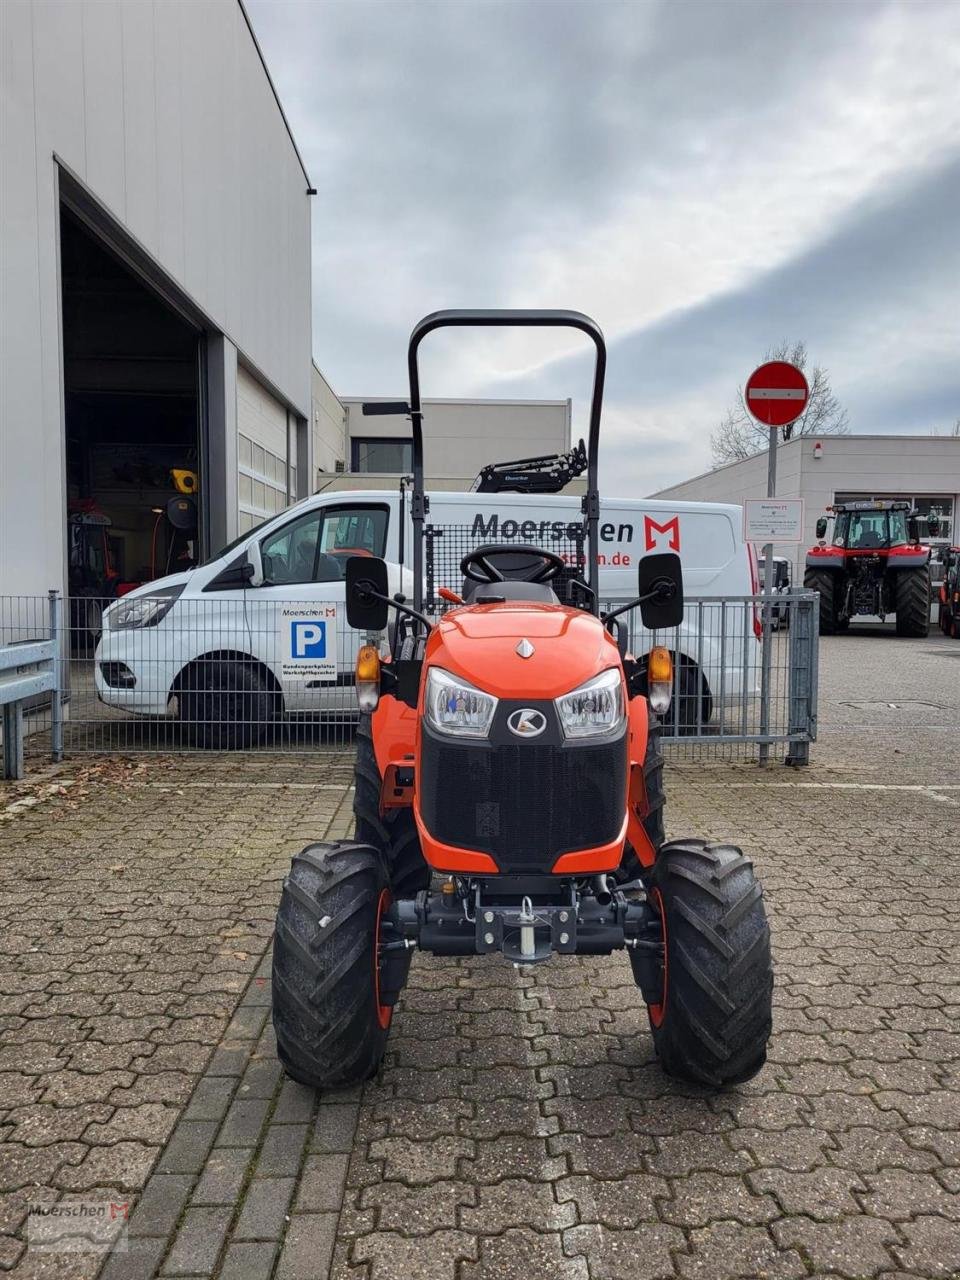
(476, 566)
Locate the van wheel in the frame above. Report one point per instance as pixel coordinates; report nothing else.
(692, 692)
(226, 706)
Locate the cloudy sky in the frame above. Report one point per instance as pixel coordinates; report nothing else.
(704, 179)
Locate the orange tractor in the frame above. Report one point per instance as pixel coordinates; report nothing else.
(509, 800)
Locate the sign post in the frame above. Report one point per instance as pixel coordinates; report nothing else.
(776, 394)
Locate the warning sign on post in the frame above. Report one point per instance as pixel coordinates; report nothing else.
(773, 520)
(308, 642)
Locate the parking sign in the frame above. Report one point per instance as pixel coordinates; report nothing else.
(308, 637)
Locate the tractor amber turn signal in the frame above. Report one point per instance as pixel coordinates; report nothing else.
(368, 678)
(659, 679)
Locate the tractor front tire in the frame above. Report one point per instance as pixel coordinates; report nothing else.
(331, 1025)
(394, 831)
(826, 584)
(714, 1018)
(912, 596)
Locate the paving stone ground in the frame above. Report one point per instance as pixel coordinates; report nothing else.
(521, 1126)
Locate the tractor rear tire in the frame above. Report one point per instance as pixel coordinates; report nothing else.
(630, 867)
(331, 1027)
(912, 596)
(826, 584)
(394, 831)
(715, 1017)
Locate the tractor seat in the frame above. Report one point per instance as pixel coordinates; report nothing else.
(481, 592)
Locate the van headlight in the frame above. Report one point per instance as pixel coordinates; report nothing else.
(141, 611)
(454, 706)
(593, 708)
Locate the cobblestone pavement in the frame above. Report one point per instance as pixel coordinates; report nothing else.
(520, 1125)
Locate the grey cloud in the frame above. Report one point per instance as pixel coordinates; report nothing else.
(451, 142)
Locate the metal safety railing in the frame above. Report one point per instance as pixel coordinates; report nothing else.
(263, 670)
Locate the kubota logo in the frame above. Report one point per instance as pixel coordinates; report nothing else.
(527, 722)
(651, 529)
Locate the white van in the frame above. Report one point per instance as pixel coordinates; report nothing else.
(260, 630)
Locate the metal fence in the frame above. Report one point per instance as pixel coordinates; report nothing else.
(263, 670)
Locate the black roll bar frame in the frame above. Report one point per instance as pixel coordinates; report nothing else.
(590, 504)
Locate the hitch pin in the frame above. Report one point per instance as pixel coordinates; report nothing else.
(528, 946)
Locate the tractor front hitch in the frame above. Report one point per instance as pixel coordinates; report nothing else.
(528, 928)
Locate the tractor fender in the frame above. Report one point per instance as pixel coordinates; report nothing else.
(824, 560)
(907, 559)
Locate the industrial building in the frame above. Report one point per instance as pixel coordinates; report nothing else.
(155, 309)
(827, 469)
(354, 451)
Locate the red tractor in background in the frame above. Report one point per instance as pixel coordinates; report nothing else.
(874, 565)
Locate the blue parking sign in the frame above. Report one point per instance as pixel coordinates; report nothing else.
(308, 638)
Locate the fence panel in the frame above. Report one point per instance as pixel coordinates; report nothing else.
(265, 671)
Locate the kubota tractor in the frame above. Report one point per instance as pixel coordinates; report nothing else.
(873, 565)
(509, 800)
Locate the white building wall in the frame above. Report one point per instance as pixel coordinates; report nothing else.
(462, 436)
(164, 113)
(328, 427)
(907, 466)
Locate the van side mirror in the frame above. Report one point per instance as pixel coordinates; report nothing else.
(234, 577)
(660, 579)
(822, 527)
(366, 581)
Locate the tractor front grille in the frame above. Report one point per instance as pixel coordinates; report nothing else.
(525, 805)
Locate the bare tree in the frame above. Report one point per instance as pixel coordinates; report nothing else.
(740, 435)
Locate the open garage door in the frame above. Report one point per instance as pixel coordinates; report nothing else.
(133, 441)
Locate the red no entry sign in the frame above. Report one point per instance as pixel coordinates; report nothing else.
(777, 393)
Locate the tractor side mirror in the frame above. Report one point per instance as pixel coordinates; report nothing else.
(933, 524)
(367, 575)
(822, 527)
(660, 579)
(913, 528)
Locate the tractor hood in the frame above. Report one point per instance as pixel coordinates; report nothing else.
(484, 644)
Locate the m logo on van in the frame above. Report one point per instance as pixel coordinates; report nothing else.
(670, 530)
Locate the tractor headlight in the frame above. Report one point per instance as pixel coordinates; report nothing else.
(454, 706)
(141, 611)
(593, 708)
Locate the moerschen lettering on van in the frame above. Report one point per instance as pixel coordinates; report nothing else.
(492, 527)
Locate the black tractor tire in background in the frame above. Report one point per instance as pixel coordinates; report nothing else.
(393, 832)
(226, 704)
(912, 598)
(630, 867)
(715, 1018)
(331, 1027)
(824, 582)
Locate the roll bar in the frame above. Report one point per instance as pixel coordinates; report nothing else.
(507, 319)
